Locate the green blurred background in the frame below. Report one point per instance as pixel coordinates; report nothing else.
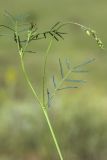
(79, 116)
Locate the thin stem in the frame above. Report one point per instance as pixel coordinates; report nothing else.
(43, 107)
(44, 69)
(53, 134)
(27, 79)
(72, 23)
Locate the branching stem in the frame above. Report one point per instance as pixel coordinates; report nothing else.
(43, 107)
(55, 34)
(42, 104)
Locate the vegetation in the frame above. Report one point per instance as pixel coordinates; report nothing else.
(63, 83)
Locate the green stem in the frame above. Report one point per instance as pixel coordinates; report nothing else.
(42, 107)
(53, 134)
(27, 79)
(72, 23)
(44, 70)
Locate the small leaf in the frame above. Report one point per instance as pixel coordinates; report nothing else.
(53, 35)
(68, 64)
(59, 35)
(83, 64)
(15, 37)
(56, 24)
(75, 80)
(83, 71)
(62, 33)
(68, 87)
(61, 69)
(30, 51)
(54, 81)
(44, 35)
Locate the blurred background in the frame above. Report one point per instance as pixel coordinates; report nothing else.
(79, 116)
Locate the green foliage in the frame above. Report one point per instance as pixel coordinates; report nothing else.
(23, 37)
